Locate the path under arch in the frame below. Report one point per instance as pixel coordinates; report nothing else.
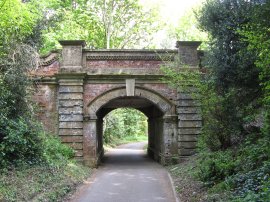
(127, 174)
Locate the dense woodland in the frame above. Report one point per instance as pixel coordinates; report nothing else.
(234, 90)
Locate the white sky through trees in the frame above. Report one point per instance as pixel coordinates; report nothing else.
(170, 12)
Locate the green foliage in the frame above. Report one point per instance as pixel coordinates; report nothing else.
(53, 151)
(20, 143)
(233, 146)
(101, 23)
(41, 182)
(215, 166)
(22, 140)
(256, 33)
(187, 29)
(124, 123)
(245, 170)
(253, 185)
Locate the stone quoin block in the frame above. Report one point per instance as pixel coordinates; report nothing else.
(70, 89)
(71, 131)
(70, 125)
(72, 139)
(189, 131)
(71, 110)
(70, 96)
(188, 138)
(190, 124)
(187, 145)
(70, 117)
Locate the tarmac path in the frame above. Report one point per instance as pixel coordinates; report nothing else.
(128, 175)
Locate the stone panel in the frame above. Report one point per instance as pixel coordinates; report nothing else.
(66, 125)
(190, 117)
(188, 110)
(72, 139)
(188, 103)
(189, 131)
(70, 103)
(188, 138)
(187, 145)
(71, 110)
(71, 131)
(71, 89)
(190, 124)
(186, 152)
(70, 96)
(70, 117)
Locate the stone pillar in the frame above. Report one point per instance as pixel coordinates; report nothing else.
(188, 53)
(70, 112)
(188, 109)
(189, 124)
(72, 55)
(170, 144)
(90, 141)
(70, 96)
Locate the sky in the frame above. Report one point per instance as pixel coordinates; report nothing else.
(171, 11)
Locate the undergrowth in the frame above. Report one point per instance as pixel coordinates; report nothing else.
(41, 182)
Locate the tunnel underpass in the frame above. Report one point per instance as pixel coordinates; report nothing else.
(153, 114)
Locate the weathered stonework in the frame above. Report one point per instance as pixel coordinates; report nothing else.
(78, 91)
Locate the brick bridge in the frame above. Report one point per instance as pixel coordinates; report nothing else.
(77, 87)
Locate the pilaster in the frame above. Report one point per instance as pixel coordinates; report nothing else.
(70, 96)
(189, 124)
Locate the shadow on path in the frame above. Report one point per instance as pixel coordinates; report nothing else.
(128, 175)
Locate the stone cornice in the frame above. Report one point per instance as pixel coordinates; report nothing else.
(72, 43)
(188, 43)
(131, 57)
(49, 59)
(135, 55)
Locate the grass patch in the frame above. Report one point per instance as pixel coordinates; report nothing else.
(41, 182)
(188, 187)
(125, 140)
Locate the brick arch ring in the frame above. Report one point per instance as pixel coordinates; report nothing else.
(165, 105)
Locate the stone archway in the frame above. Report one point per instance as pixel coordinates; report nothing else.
(162, 122)
(78, 86)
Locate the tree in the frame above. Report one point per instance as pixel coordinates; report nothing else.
(102, 23)
(187, 29)
(125, 23)
(231, 66)
(124, 122)
(256, 33)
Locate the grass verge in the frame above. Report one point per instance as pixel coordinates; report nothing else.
(125, 140)
(187, 187)
(41, 182)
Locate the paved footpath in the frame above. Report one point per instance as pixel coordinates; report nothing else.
(128, 175)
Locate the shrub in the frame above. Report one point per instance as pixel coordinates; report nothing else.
(54, 152)
(214, 167)
(21, 142)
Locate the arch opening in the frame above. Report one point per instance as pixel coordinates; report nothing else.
(124, 125)
(161, 121)
(154, 122)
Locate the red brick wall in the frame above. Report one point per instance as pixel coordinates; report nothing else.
(46, 99)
